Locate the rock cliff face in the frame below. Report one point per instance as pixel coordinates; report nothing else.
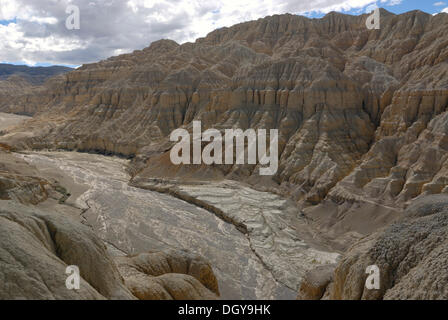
(361, 113)
(18, 82)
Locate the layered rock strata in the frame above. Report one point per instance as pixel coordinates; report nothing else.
(360, 112)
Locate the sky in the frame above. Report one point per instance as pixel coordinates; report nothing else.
(35, 32)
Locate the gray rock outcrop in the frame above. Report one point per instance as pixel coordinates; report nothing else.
(411, 254)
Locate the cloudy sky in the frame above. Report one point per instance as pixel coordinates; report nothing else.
(34, 32)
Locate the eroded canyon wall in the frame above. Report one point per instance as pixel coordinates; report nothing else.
(362, 114)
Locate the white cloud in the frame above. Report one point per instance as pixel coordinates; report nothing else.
(109, 27)
(439, 4)
(391, 2)
(445, 10)
(8, 9)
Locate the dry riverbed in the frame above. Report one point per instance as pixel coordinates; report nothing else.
(257, 242)
(137, 220)
(266, 262)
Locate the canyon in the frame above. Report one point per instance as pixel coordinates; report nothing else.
(362, 117)
(248, 265)
(359, 112)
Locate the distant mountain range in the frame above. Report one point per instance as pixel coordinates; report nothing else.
(34, 75)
